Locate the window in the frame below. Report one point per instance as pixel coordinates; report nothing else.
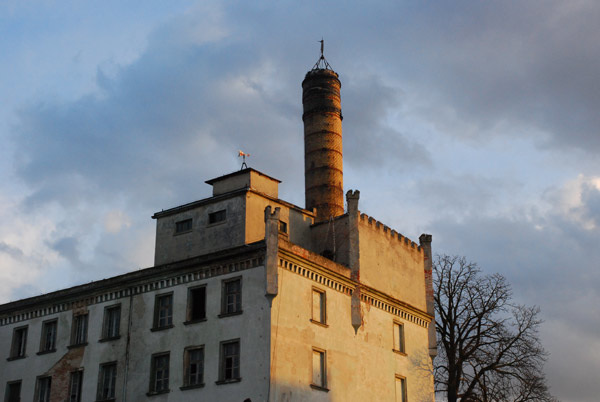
(216, 217)
(75, 386)
(13, 391)
(163, 311)
(282, 227)
(319, 370)
(401, 389)
(79, 330)
(319, 306)
(112, 322)
(42, 392)
(183, 226)
(194, 367)
(398, 337)
(159, 373)
(229, 368)
(48, 339)
(19, 343)
(107, 379)
(231, 296)
(196, 309)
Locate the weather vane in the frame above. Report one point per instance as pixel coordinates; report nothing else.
(243, 155)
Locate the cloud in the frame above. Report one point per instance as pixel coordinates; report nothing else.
(549, 255)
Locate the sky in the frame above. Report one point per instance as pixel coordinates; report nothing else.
(476, 122)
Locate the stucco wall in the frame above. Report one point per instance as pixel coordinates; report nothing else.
(251, 327)
(360, 367)
(390, 264)
(297, 222)
(204, 237)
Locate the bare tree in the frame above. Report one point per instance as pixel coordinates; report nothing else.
(489, 348)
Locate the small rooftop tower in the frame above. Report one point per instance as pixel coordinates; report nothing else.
(323, 155)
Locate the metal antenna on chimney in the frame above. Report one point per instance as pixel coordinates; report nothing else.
(243, 155)
(322, 63)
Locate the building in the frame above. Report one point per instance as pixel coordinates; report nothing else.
(251, 298)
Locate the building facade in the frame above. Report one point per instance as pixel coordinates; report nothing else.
(251, 298)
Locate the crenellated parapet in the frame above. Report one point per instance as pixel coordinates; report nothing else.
(386, 230)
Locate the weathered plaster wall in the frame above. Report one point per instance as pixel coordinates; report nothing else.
(60, 363)
(204, 237)
(391, 263)
(251, 327)
(298, 223)
(332, 237)
(358, 365)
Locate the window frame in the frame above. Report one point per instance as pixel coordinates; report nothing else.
(182, 226)
(322, 319)
(399, 340)
(223, 379)
(38, 390)
(75, 374)
(224, 297)
(153, 371)
(190, 305)
(106, 322)
(9, 384)
(78, 337)
(217, 217)
(187, 362)
(18, 345)
(100, 395)
(44, 336)
(322, 353)
(157, 309)
(403, 388)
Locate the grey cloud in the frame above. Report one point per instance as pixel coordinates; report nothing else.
(550, 263)
(13, 251)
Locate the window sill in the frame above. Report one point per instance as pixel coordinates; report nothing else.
(77, 345)
(230, 314)
(209, 225)
(112, 338)
(319, 388)
(322, 324)
(153, 393)
(229, 381)
(190, 322)
(399, 352)
(45, 352)
(155, 329)
(15, 358)
(186, 387)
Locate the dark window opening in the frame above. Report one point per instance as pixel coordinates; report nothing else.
(13, 392)
(197, 304)
(183, 226)
(218, 216)
(282, 227)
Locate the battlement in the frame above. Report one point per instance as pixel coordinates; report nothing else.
(374, 223)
